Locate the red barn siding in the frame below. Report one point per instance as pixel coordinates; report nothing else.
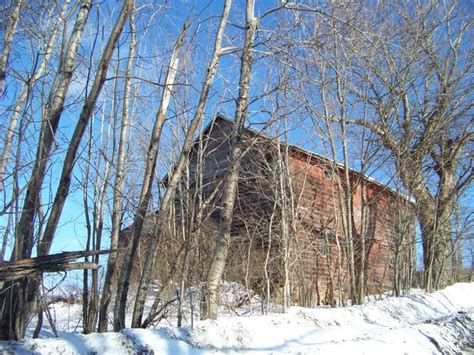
(318, 264)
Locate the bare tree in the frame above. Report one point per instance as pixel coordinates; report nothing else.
(217, 266)
(55, 106)
(146, 192)
(7, 41)
(175, 177)
(24, 242)
(48, 50)
(320, 49)
(119, 184)
(420, 101)
(101, 165)
(87, 109)
(17, 311)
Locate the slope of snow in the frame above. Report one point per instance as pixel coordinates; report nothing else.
(442, 322)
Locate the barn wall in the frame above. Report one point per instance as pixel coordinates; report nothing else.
(318, 247)
(315, 275)
(319, 264)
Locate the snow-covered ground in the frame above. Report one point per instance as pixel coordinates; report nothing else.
(442, 322)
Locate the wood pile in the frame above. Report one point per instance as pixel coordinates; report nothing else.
(31, 267)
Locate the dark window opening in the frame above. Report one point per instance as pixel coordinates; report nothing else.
(328, 173)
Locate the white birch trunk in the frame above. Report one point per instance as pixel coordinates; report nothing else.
(217, 266)
(178, 170)
(7, 42)
(145, 195)
(55, 106)
(118, 186)
(16, 302)
(84, 117)
(25, 91)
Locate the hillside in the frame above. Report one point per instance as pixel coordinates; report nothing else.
(420, 323)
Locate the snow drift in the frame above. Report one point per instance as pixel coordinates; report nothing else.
(420, 323)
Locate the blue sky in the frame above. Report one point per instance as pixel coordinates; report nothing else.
(156, 37)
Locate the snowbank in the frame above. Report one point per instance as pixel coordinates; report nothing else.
(442, 322)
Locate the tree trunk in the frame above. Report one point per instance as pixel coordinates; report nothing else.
(84, 117)
(118, 186)
(292, 205)
(218, 262)
(26, 91)
(102, 181)
(347, 191)
(146, 192)
(362, 252)
(16, 302)
(178, 170)
(55, 105)
(436, 234)
(7, 42)
(69, 163)
(435, 215)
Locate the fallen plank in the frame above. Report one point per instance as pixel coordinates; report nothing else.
(31, 267)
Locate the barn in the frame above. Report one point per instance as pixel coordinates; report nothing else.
(287, 228)
(287, 217)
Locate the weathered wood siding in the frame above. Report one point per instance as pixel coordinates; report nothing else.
(315, 250)
(315, 183)
(318, 258)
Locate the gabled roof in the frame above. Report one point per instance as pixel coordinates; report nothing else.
(311, 156)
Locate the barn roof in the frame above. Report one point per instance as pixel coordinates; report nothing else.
(294, 149)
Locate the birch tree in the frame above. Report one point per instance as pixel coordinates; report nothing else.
(119, 184)
(26, 90)
(14, 308)
(182, 161)
(119, 311)
(217, 266)
(27, 290)
(7, 41)
(420, 94)
(146, 192)
(101, 165)
(55, 106)
(84, 117)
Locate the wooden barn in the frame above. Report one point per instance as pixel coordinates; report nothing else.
(287, 217)
(287, 210)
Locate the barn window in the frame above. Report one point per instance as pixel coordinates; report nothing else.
(269, 158)
(266, 165)
(328, 173)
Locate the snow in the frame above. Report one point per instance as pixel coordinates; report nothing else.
(420, 323)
